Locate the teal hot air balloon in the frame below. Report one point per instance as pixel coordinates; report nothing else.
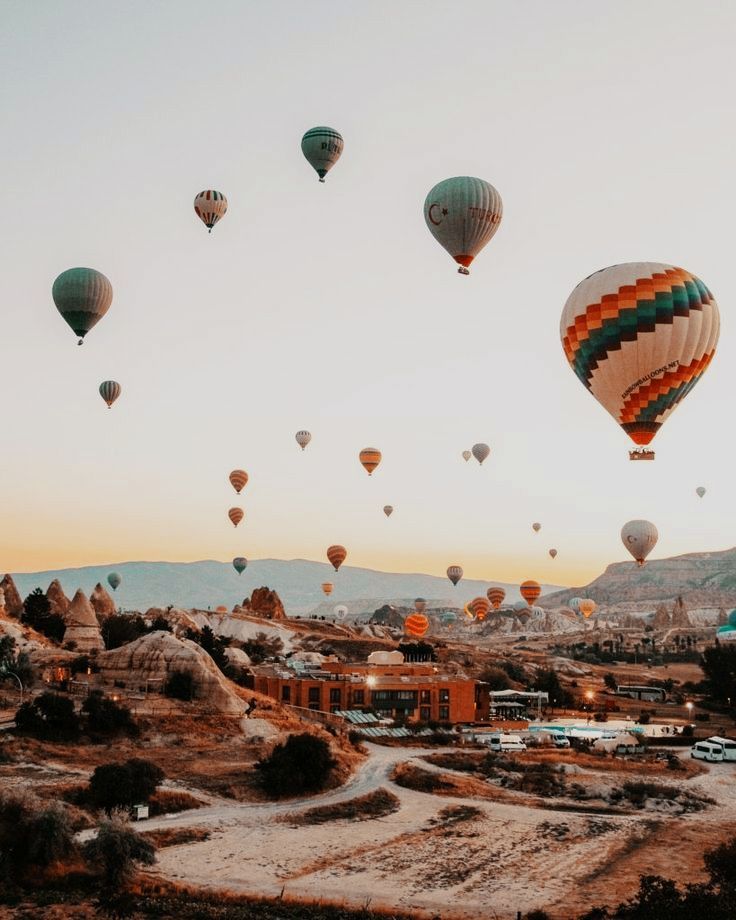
(322, 148)
(114, 580)
(240, 564)
(82, 296)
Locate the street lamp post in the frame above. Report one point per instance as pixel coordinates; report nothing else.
(6, 672)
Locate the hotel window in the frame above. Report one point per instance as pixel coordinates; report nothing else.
(313, 695)
(424, 713)
(444, 713)
(286, 693)
(335, 695)
(425, 697)
(359, 697)
(444, 696)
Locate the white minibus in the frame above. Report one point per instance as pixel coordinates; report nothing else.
(705, 750)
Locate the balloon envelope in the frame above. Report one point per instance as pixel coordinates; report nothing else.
(109, 391)
(462, 214)
(82, 296)
(639, 538)
(322, 148)
(388, 510)
(303, 438)
(341, 611)
(530, 591)
(416, 624)
(553, 553)
(587, 607)
(240, 564)
(327, 587)
(336, 555)
(114, 580)
(480, 452)
(455, 573)
(236, 515)
(238, 480)
(420, 605)
(496, 596)
(210, 206)
(479, 607)
(370, 458)
(467, 455)
(536, 527)
(700, 491)
(732, 618)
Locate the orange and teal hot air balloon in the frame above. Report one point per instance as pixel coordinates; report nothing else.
(496, 597)
(639, 336)
(109, 391)
(322, 148)
(416, 625)
(462, 214)
(238, 480)
(210, 206)
(236, 515)
(336, 555)
(370, 457)
(530, 591)
(82, 296)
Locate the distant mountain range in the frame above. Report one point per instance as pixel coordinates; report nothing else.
(297, 582)
(703, 580)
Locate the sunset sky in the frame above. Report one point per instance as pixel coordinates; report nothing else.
(608, 130)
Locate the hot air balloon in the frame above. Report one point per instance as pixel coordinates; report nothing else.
(210, 206)
(416, 624)
(238, 480)
(530, 591)
(700, 491)
(82, 296)
(639, 336)
(303, 438)
(467, 611)
(522, 605)
(341, 611)
(236, 515)
(587, 607)
(336, 555)
(370, 458)
(388, 510)
(495, 596)
(639, 538)
(553, 553)
(467, 454)
(574, 604)
(462, 214)
(455, 573)
(327, 587)
(536, 527)
(322, 148)
(240, 564)
(480, 607)
(109, 391)
(480, 452)
(447, 617)
(114, 580)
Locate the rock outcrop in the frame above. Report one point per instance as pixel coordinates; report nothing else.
(150, 660)
(680, 615)
(179, 620)
(102, 604)
(264, 603)
(82, 627)
(58, 601)
(662, 618)
(13, 600)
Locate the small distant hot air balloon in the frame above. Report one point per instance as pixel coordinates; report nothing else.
(536, 527)
(480, 452)
(467, 454)
(327, 587)
(496, 597)
(480, 607)
(322, 148)
(420, 605)
(303, 438)
(522, 605)
(370, 458)
(447, 617)
(416, 624)
(455, 573)
(240, 564)
(236, 515)
(388, 510)
(238, 480)
(530, 591)
(109, 391)
(639, 538)
(587, 607)
(341, 611)
(114, 580)
(82, 296)
(553, 553)
(700, 491)
(210, 206)
(336, 555)
(462, 214)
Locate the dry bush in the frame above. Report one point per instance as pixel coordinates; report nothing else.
(375, 804)
(167, 801)
(176, 836)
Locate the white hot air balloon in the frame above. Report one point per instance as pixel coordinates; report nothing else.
(467, 455)
(341, 611)
(481, 452)
(303, 438)
(639, 538)
(462, 214)
(700, 491)
(322, 148)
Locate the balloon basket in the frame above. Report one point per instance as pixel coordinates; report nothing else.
(463, 270)
(641, 454)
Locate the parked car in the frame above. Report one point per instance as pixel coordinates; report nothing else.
(706, 750)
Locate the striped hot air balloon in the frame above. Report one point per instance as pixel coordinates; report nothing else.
(240, 564)
(238, 480)
(322, 148)
(455, 573)
(587, 607)
(480, 607)
(530, 591)
(236, 515)
(462, 214)
(574, 604)
(370, 458)
(82, 296)
(480, 452)
(109, 391)
(496, 597)
(303, 438)
(210, 206)
(416, 625)
(639, 336)
(336, 555)
(639, 538)
(327, 587)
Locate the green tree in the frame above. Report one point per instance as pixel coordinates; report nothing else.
(495, 678)
(122, 628)
(548, 682)
(105, 716)
(610, 681)
(37, 614)
(115, 851)
(303, 763)
(50, 716)
(121, 785)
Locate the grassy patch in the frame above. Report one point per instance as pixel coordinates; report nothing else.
(376, 804)
(176, 836)
(168, 801)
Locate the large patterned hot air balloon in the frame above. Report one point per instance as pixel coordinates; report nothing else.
(303, 438)
(700, 491)
(639, 336)
(236, 515)
(553, 553)
(114, 580)
(240, 564)
(322, 148)
(82, 296)
(238, 480)
(467, 455)
(530, 591)
(587, 607)
(480, 607)
(536, 527)
(370, 458)
(480, 452)
(462, 214)
(327, 587)
(416, 624)
(496, 597)
(455, 573)
(336, 555)
(420, 605)
(109, 391)
(639, 538)
(210, 206)
(388, 510)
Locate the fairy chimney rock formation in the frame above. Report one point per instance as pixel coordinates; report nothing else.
(662, 618)
(102, 604)
(82, 627)
(264, 603)
(13, 602)
(58, 601)
(680, 616)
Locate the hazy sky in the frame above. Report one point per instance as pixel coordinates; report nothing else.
(607, 128)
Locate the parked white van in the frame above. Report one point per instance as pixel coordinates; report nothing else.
(706, 750)
(506, 743)
(727, 746)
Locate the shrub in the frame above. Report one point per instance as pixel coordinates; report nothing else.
(121, 628)
(304, 763)
(375, 804)
(180, 685)
(115, 851)
(116, 785)
(105, 716)
(50, 716)
(610, 681)
(31, 835)
(644, 717)
(496, 678)
(37, 614)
